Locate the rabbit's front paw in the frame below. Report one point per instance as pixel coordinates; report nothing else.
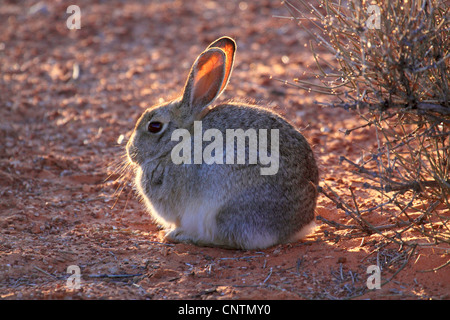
(177, 235)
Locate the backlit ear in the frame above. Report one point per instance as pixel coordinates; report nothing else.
(205, 80)
(228, 46)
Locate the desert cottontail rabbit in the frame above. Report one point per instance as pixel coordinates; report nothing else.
(231, 175)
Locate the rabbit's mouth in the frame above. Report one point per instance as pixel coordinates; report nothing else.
(134, 156)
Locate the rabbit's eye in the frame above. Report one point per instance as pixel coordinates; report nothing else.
(155, 126)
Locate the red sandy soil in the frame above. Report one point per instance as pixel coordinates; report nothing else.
(60, 203)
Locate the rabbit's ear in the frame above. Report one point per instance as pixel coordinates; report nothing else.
(205, 81)
(228, 45)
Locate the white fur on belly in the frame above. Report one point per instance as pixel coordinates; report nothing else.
(198, 219)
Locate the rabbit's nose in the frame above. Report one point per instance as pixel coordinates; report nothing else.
(132, 152)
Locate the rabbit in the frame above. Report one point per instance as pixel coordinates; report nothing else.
(229, 205)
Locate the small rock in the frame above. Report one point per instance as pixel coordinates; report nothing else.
(37, 228)
(342, 260)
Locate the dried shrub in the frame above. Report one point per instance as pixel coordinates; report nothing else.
(391, 65)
